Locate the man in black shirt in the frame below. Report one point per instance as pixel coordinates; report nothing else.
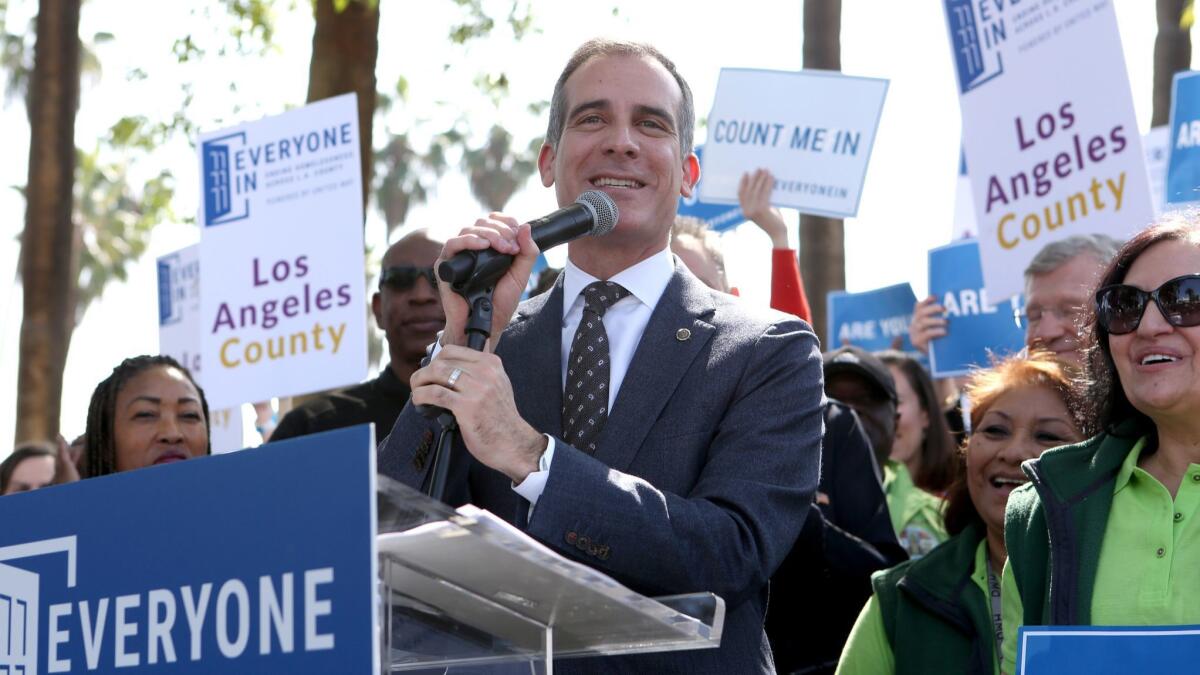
(408, 310)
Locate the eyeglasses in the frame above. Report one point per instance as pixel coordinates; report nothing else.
(404, 277)
(1031, 316)
(1119, 308)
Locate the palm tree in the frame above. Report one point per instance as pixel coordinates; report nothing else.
(822, 240)
(345, 48)
(1172, 53)
(49, 246)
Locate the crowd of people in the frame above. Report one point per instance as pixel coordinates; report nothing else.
(635, 416)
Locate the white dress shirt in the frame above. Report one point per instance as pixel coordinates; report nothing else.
(624, 322)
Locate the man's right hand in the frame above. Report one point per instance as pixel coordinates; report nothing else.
(505, 235)
(928, 323)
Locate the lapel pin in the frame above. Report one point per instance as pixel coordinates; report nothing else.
(683, 335)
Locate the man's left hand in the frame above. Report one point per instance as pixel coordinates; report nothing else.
(481, 398)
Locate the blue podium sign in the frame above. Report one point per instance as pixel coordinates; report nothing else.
(252, 562)
(1103, 650)
(719, 217)
(873, 320)
(975, 328)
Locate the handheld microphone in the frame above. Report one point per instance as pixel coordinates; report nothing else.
(593, 213)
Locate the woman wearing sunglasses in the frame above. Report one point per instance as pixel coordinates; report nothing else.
(1108, 533)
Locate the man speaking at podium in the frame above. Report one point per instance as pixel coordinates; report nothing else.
(684, 453)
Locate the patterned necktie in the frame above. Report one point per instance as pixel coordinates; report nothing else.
(585, 399)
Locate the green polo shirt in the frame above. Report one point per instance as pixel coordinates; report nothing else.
(1146, 575)
(867, 651)
(916, 514)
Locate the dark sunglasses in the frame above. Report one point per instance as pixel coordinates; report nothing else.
(1119, 308)
(403, 277)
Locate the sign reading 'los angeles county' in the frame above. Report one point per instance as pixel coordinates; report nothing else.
(194, 567)
(282, 252)
(1048, 126)
(813, 129)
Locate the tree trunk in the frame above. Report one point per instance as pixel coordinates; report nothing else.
(822, 240)
(48, 247)
(1172, 53)
(345, 48)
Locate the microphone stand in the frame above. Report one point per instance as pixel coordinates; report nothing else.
(476, 284)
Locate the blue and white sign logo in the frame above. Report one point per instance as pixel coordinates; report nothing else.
(194, 567)
(19, 605)
(976, 31)
(178, 285)
(225, 189)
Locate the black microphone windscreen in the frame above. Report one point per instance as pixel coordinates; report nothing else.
(603, 209)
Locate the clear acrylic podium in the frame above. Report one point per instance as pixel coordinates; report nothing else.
(462, 587)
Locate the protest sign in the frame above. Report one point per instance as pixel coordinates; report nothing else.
(282, 299)
(179, 335)
(873, 320)
(1049, 129)
(814, 130)
(259, 561)
(1156, 143)
(1183, 168)
(976, 328)
(1088, 650)
(718, 217)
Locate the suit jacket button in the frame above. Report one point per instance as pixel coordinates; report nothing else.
(602, 552)
(571, 537)
(582, 543)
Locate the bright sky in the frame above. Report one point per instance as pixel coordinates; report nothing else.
(906, 209)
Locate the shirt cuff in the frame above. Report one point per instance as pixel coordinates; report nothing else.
(531, 488)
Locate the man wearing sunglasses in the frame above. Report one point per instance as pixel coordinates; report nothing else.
(409, 311)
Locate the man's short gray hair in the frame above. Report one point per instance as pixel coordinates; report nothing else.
(1056, 254)
(596, 47)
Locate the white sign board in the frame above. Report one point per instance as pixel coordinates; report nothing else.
(179, 335)
(1049, 128)
(813, 129)
(282, 296)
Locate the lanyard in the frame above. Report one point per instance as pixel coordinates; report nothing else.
(997, 617)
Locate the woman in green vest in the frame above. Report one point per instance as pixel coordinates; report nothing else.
(940, 614)
(1124, 545)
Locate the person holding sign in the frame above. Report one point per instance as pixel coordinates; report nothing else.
(148, 411)
(683, 454)
(939, 614)
(1057, 283)
(787, 288)
(1107, 532)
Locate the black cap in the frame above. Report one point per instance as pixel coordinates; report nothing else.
(858, 361)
